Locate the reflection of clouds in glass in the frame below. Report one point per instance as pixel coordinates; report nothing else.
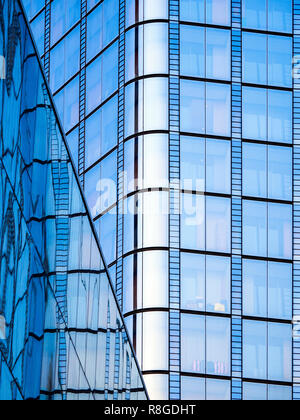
(2, 328)
(2, 68)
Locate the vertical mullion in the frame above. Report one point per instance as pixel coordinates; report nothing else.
(296, 200)
(82, 91)
(236, 286)
(47, 39)
(174, 217)
(120, 155)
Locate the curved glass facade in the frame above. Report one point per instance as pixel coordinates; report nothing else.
(62, 335)
(182, 116)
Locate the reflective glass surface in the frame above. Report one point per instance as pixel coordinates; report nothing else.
(61, 330)
(182, 119)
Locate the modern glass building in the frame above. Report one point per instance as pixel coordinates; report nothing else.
(62, 335)
(183, 119)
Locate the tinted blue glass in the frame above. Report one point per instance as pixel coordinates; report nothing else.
(193, 163)
(254, 113)
(280, 116)
(254, 228)
(192, 106)
(215, 12)
(63, 16)
(217, 390)
(254, 58)
(192, 388)
(55, 265)
(218, 54)
(280, 172)
(254, 14)
(280, 290)
(280, 393)
(280, 231)
(218, 165)
(192, 10)
(193, 281)
(192, 51)
(279, 352)
(279, 61)
(280, 15)
(254, 391)
(255, 349)
(38, 30)
(101, 132)
(255, 277)
(254, 170)
(102, 77)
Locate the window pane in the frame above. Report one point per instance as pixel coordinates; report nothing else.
(155, 9)
(158, 386)
(193, 222)
(192, 51)
(280, 61)
(155, 279)
(254, 170)
(218, 284)
(218, 12)
(193, 163)
(128, 284)
(107, 229)
(218, 347)
(156, 104)
(254, 58)
(255, 288)
(192, 388)
(192, 10)
(255, 349)
(218, 60)
(155, 341)
(254, 392)
(254, 228)
(101, 132)
(280, 173)
(280, 231)
(280, 116)
(280, 15)
(254, 113)
(280, 393)
(280, 290)
(155, 161)
(254, 14)
(193, 282)
(218, 224)
(218, 166)
(280, 352)
(155, 219)
(218, 109)
(218, 390)
(193, 343)
(155, 46)
(192, 116)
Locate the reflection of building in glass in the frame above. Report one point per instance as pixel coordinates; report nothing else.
(193, 100)
(61, 332)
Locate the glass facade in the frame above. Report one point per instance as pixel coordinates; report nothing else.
(62, 335)
(182, 117)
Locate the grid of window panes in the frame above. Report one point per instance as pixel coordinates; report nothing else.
(206, 168)
(205, 125)
(101, 94)
(267, 198)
